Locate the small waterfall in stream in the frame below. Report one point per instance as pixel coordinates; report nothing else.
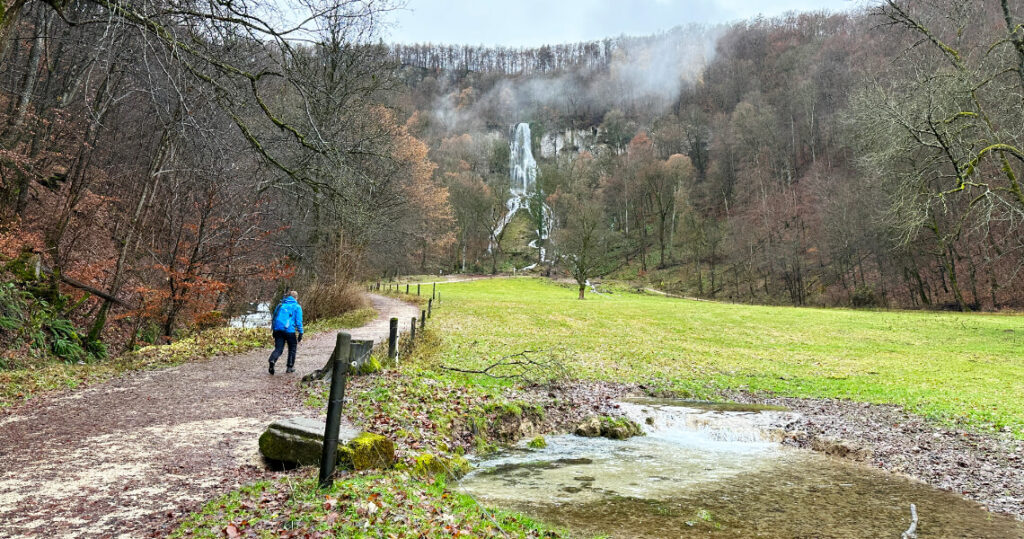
(523, 175)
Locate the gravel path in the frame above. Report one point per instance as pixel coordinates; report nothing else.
(128, 457)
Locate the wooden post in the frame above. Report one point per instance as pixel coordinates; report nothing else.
(334, 404)
(438, 297)
(412, 330)
(433, 292)
(417, 289)
(393, 341)
(423, 320)
(430, 305)
(406, 288)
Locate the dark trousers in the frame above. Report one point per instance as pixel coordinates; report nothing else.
(281, 337)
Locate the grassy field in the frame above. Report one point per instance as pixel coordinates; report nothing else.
(954, 367)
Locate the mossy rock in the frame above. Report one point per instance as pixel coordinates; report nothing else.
(370, 366)
(537, 443)
(429, 465)
(300, 441)
(615, 428)
(295, 441)
(25, 267)
(367, 451)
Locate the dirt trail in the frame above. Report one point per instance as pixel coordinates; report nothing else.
(128, 457)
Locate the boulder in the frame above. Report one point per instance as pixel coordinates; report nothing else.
(589, 428)
(300, 441)
(367, 451)
(616, 428)
(428, 465)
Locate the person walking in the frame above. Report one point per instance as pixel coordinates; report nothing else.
(287, 327)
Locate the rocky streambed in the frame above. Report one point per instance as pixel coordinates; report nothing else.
(720, 471)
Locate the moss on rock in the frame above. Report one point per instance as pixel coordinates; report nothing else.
(537, 443)
(428, 465)
(616, 428)
(370, 366)
(300, 441)
(367, 451)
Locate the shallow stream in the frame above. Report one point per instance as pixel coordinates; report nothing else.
(716, 471)
(257, 316)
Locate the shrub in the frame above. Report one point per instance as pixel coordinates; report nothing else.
(328, 300)
(864, 296)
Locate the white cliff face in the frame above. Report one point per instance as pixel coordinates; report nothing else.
(574, 141)
(522, 165)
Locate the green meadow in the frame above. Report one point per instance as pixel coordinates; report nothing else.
(954, 367)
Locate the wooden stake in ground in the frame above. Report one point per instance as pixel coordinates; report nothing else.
(334, 403)
(393, 341)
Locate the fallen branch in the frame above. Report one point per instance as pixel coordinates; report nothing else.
(42, 269)
(523, 364)
(911, 532)
(94, 291)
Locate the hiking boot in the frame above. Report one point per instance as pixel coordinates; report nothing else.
(290, 370)
(271, 369)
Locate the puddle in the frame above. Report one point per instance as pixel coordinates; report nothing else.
(711, 473)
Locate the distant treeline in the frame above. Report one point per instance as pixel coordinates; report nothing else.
(861, 159)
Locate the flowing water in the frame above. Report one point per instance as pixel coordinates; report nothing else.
(257, 316)
(716, 471)
(523, 177)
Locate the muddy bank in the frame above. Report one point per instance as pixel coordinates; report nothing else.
(988, 469)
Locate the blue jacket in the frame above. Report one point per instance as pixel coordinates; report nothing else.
(288, 316)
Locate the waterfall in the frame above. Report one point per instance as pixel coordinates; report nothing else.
(522, 165)
(523, 176)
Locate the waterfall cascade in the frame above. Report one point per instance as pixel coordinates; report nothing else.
(522, 165)
(523, 173)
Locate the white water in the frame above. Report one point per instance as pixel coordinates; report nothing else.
(523, 175)
(256, 318)
(522, 165)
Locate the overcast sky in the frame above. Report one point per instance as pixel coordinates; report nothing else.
(535, 22)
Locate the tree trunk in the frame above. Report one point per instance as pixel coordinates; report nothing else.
(583, 289)
(162, 152)
(31, 74)
(9, 14)
(949, 264)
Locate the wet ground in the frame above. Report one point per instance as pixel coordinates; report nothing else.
(718, 472)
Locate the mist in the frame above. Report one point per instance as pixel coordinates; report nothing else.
(638, 75)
